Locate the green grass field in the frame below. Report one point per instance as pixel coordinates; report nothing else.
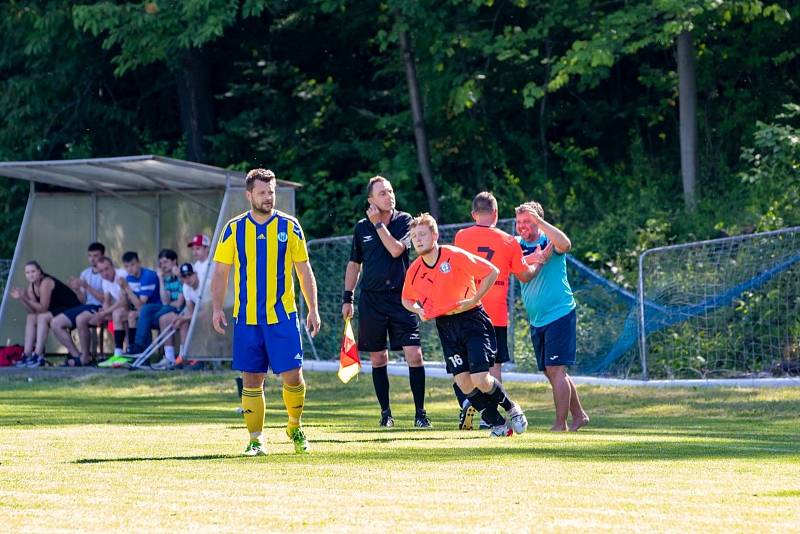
(95, 451)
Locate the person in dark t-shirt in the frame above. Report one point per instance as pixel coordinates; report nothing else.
(379, 256)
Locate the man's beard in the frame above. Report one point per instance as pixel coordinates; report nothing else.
(260, 210)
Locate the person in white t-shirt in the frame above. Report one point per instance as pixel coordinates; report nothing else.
(201, 248)
(115, 305)
(181, 321)
(89, 289)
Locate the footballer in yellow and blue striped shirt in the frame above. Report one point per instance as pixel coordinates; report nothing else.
(263, 246)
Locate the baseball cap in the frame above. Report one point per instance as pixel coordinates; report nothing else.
(200, 239)
(187, 269)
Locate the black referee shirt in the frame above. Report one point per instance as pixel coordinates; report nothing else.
(379, 270)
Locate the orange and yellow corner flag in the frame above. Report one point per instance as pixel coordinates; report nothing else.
(349, 362)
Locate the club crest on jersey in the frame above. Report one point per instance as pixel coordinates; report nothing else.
(445, 267)
(283, 237)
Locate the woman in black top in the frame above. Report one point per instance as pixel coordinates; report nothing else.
(45, 297)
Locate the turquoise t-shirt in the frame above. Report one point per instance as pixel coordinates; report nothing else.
(548, 296)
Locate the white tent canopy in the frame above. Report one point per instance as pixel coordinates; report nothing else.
(139, 203)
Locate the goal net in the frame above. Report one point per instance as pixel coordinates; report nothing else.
(722, 308)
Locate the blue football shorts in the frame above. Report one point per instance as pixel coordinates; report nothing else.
(555, 343)
(257, 348)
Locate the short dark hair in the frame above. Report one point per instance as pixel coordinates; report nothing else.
(130, 256)
(106, 259)
(168, 253)
(373, 181)
(97, 247)
(262, 175)
(484, 202)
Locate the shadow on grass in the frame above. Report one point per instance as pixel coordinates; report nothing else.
(159, 458)
(584, 453)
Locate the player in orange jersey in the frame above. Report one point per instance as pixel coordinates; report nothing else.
(502, 250)
(447, 283)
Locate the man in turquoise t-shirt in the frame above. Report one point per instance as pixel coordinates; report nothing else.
(551, 310)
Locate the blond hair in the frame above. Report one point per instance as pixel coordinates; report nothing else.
(425, 219)
(530, 207)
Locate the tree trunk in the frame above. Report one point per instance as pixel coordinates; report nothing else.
(196, 103)
(687, 96)
(421, 137)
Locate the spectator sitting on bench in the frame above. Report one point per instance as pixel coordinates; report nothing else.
(141, 287)
(201, 247)
(180, 321)
(115, 307)
(170, 300)
(45, 297)
(89, 288)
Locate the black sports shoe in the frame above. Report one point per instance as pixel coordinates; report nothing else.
(386, 419)
(421, 420)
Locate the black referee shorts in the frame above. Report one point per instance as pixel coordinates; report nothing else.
(468, 341)
(381, 314)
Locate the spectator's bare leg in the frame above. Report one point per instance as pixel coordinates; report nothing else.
(120, 318)
(579, 417)
(184, 334)
(561, 395)
(82, 321)
(30, 333)
(61, 326)
(164, 322)
(42, 329)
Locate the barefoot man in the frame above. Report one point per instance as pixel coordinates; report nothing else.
(551, 311)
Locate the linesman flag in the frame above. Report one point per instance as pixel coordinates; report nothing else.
(349, 362)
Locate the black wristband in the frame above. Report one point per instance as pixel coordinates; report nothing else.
(347, 297)
(378, 225)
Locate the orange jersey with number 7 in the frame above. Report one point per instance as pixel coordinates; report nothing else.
(503, 251)
(439, 288)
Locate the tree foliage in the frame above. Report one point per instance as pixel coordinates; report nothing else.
(569, 103)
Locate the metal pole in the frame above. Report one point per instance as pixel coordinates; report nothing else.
(23, 230)
(221, 218)
(158, 224)
(93, 229)
(642, 333)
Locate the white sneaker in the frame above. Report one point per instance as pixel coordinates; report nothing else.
(501, 431)
(517, 419)
(163, 365)
(255, 448)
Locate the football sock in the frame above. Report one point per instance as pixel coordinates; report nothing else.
(131, 336)
(119, 340)
(459, 395)
(169, 353)
(486, 407)
(499, 396)
(294, 397)
(416, 378)
(380, 379)
(253, 405)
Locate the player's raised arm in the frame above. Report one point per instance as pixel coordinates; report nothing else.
(308, 285)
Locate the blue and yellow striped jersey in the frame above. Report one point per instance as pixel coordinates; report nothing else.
(262, 256)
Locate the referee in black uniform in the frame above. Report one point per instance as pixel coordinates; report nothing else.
(380, 248)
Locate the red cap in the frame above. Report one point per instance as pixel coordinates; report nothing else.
(201, 240)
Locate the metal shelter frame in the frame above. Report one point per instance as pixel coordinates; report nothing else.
(122, 178)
